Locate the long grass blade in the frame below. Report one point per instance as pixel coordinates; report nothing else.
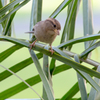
(94, 95)
(14, 10)
(61, 68)
(2, 1)
(83, 74)
(47, 73)
(61, 53)
(78, 40)
(91, 48)
(55, 55)
(90, 80)
(46, 84)
(81, 82)
(52, 66)
(60, 8)
(9, 51)
(68, 19)
(32, 81)
(19, 87)
(91, 30)
(71, 92)
(9, 6)
(71, 27)
(87, 20)
(22, 80)
(36, 13)
(1, 28)
(8, 25)
(19, 66)
(1, 4)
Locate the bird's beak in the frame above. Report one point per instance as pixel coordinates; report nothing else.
(57, 31)
(30, 32)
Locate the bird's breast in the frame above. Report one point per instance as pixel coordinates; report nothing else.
(47, 37)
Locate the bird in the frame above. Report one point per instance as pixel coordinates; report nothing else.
(46, 31)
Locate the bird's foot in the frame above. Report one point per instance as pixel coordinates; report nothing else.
(32, 45)
(51, 51)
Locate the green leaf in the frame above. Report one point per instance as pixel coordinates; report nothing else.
(52, 66)
(61, 68)
(9, 22)
(9, 6)
(94, 95)
(2, 25)
(47, 73)
(90, 80)
(14, 40)
(8, 52)
(1, 4)
(71, 92)
(17, 67)
(83, 74)
(32, 81)
(46, 84)
(87, 20)
(71, 27)
(46, 64)
(61, 53)
(14, 10)
(1, 29)
(90, 18)
(87, 51)
(78, 40)
(68, 19)
(81, 82)
(60, 8)
(36, 13)
(19, 87)
(21, 80)
(63, 59)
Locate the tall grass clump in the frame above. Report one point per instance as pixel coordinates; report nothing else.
(63, 52)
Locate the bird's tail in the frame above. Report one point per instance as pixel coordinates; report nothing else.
(30, 32)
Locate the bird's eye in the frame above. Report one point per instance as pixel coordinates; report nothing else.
(33, 29)
(54, 25)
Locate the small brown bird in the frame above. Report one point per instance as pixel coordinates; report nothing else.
(46, 31)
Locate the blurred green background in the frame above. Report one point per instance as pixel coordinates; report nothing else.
(61, 82)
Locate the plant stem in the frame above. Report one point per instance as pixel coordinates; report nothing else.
(89, 61)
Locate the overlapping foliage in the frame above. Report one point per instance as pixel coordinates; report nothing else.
(7, 14)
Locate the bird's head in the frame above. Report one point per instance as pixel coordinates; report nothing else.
(52, 24)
